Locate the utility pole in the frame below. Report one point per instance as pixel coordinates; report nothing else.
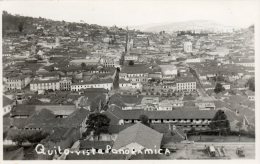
(239, 135)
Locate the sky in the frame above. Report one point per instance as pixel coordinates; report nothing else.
(132, 13)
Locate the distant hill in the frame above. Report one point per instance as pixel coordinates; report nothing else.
(186, 25)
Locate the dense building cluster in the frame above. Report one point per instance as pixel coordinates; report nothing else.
(57, 75)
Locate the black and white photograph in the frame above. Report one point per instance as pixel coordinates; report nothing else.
(129, 80)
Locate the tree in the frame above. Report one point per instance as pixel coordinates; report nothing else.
(144, 120)
(37, 136)
(97, 123)
(219, 88)
(220, 123)
(21, 136)
(131, 63)
(220, 78)
(21, 26)
(251, 84)
(17, 136)
(83, 66)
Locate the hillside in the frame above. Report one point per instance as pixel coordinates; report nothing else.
(186, 25)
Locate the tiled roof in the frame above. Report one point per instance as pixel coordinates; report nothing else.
(30, 109)
(44, 81)
(114, 129)
(85, 144)
(95, 81)
(138, 134)
(76, 118)
(179, 113)
(6, 101)
(59, 134)
(43, 118)
(185, 79)
(136, 69)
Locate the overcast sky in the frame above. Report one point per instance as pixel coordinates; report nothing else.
(132, 13)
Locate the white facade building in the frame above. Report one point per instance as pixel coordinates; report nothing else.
(187, 46)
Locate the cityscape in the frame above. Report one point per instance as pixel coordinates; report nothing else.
(83, 91)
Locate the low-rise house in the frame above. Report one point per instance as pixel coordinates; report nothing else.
(65, 84)
(96, 83)
(250, 95)
(7, 105)
(186, 118)
(206, 105)
(126, 85)
(42, 85)
(137, 73)
(25, 111)
(244, 62)
(88, 61)
(169, 104)
(193, 60)
(185, 84)
(17, 82)
(109, 62)
(226, 86)
(168, 71)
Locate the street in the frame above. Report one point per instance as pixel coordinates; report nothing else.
(197, 150)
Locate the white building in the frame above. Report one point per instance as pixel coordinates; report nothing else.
(187, 46)
(193, 60)
(186, 84)
(17, 82)
(169, 104)
(106, 84)
(168, 71)
(125, 85)
(38, 85)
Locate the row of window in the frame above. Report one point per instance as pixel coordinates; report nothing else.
(186, 84)
(45, 84)
(91, 86)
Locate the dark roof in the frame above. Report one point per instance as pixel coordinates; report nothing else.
(76, 118)
(59, 133)
(179, 113)
(95, 90)
(95, 81)
(85, 144)
(135, 69)
(22, 109)
(6, 101)
(185, 79)
(138, 134)
(121, 100)
(41, 119)
(114, 129)
(47, 120)
(6, 122)
(44, 81)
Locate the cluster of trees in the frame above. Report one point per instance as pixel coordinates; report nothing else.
(219, 88)
(251, 84)
(97, 123)
(15, 23)
(21, 136)
(220, 123)
(131, 63)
